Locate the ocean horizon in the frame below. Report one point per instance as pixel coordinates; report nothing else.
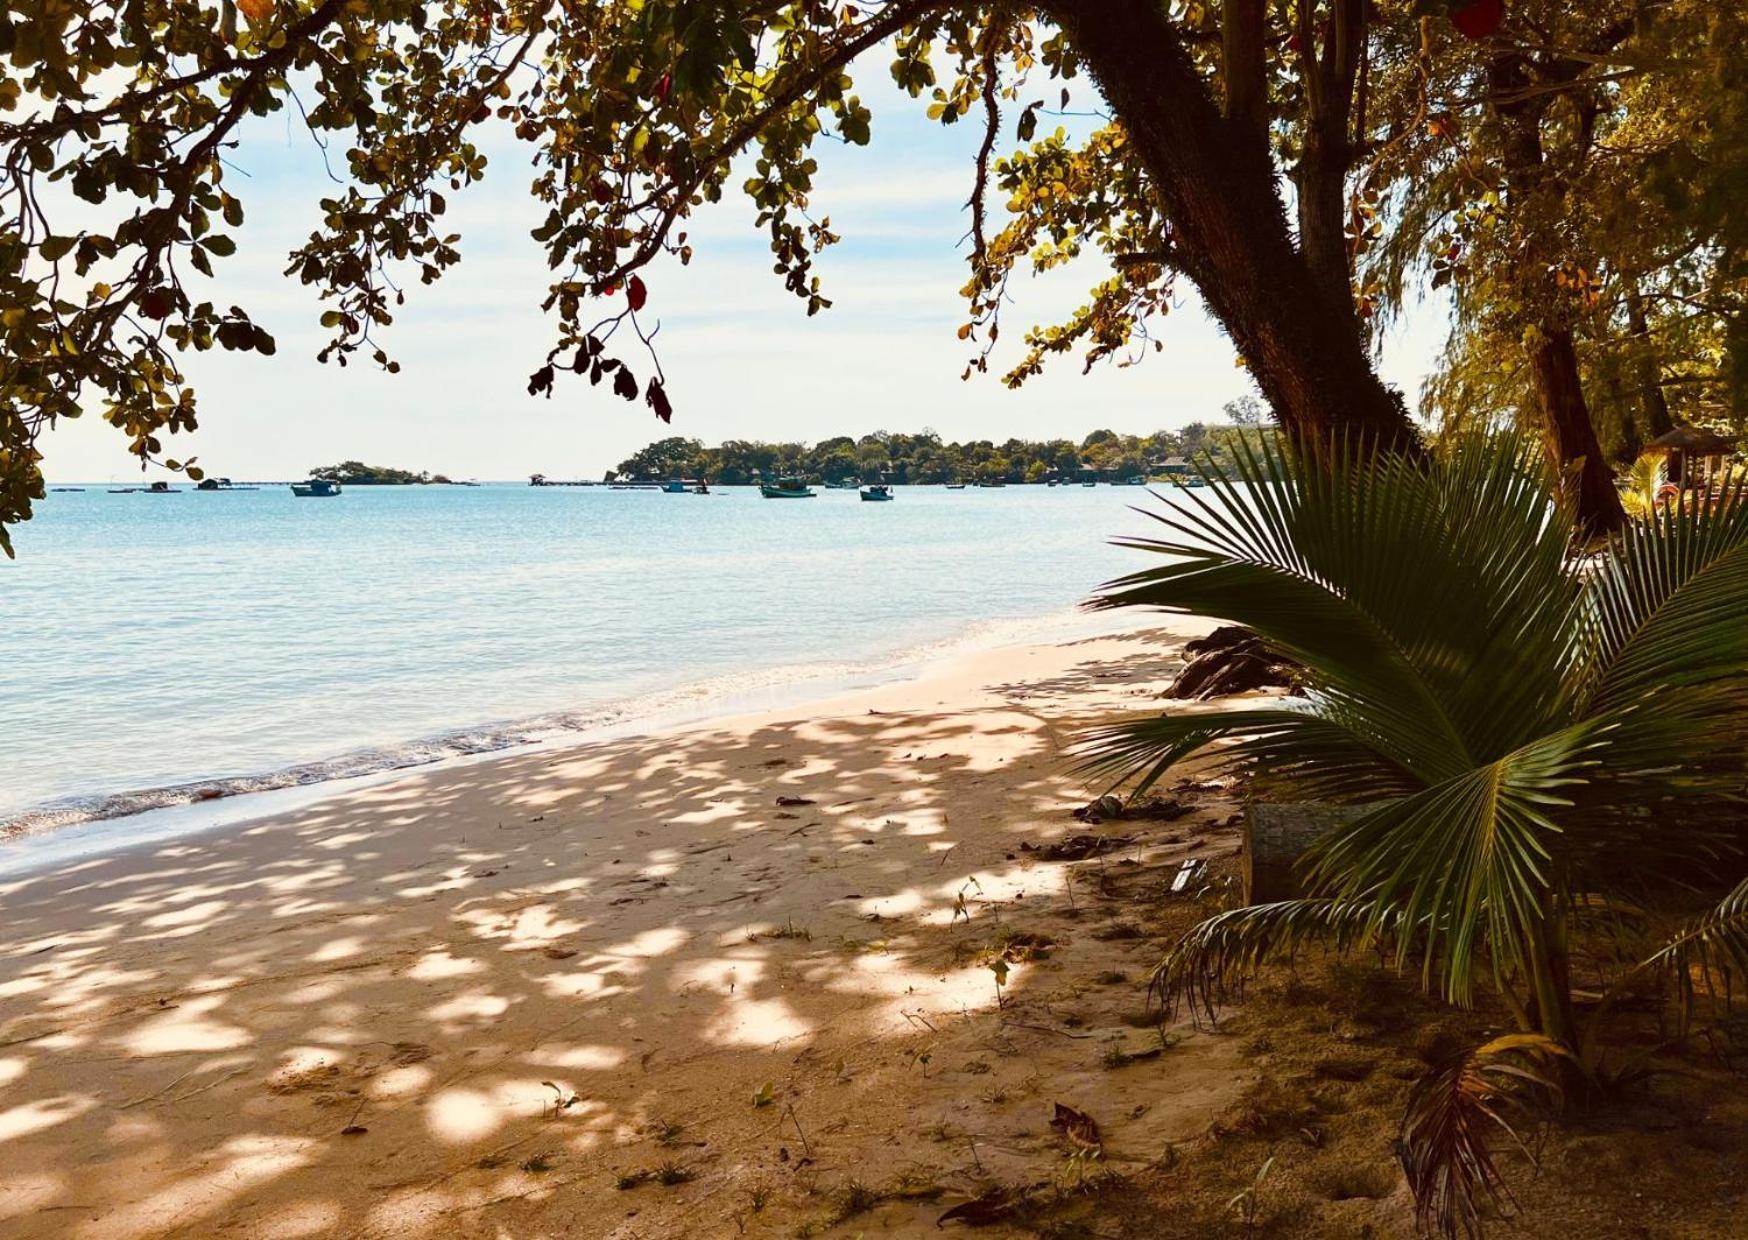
(200, 645)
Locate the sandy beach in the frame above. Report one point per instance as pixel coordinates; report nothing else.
(731, 978)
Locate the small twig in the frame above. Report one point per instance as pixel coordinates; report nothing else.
(789, 1114)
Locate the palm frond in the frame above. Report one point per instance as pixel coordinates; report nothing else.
(1451, 1114)
(1468, 862)
(1218, 953)
(1430, 600)
(1708, 956)
(1319, 757)
(1669, 602)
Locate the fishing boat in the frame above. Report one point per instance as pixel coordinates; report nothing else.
(1136, 481)
(315, 488)
(992, 482)
(1090, 482)
(955, 486)
(876, 493)
(847, 485)
(676, 487)
(786, 488)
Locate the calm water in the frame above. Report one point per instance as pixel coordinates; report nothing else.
(252, 640)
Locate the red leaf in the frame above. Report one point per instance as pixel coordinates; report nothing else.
(1479, 19)
(636, 293)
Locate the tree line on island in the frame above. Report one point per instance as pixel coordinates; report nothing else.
(358, 474)
(924, 458)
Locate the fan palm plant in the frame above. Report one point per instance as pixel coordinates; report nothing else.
(1525, 727)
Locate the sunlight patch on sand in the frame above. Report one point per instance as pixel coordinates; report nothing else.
(401, 1082)
(41, 1113)
(651, 943)
(438, 964)
(185, 1028)
(247, 1162)
(471, 1007)
(337, 949)
(755, 1022)
(585, 1058)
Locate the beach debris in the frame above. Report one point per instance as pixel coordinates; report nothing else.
(765, 1095)
(553, 951)
(1231, 660)
(353, 1130)
(1077, 1126)
(1079, 847)
(1096, 811)
(1025, 946)
(1159, 809)
(991, 1207)
(796, 801)
(1193, 870)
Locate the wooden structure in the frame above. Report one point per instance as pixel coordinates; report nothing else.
(1693, 457)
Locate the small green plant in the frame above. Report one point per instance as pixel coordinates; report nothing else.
(855, 1198)
(765, 1095)
(671, 1173)
(999, 967)
(1247, 1201)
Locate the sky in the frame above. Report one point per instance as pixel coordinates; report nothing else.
(742, 358)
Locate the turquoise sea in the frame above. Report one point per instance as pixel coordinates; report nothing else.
(165, 648)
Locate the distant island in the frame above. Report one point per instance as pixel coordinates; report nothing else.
(923, 458)
(358, 474)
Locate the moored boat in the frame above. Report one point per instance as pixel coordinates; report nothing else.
(786, 488)
(876, 493)
(955, 486)
(315, 488)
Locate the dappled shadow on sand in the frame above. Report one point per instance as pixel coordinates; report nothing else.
(470, 1001)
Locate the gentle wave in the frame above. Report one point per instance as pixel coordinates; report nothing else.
(708, 697)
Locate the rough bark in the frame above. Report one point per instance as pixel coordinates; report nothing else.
(1215, 182)
(1654, 419)
(1559, 385)
(1242, 31)
(1328, 75)
(1560, 391)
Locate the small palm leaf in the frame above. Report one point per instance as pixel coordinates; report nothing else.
(1317, 756)
(1451, 1113)
(1668, 603)
(1211, 959)
(1708, 956)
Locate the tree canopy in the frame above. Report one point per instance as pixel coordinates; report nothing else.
(635, 114)
(924, 458)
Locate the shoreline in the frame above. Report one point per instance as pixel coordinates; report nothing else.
(77, 825)
(501, 997)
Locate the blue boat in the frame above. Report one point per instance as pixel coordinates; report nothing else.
(315, 488)
(876, 493)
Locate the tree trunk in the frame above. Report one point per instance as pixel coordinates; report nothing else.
(1654, 419)
(1572, 436)
(1327, 76)
(1215, 182)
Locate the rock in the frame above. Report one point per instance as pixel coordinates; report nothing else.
(1231, 660)
(1276, 836)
